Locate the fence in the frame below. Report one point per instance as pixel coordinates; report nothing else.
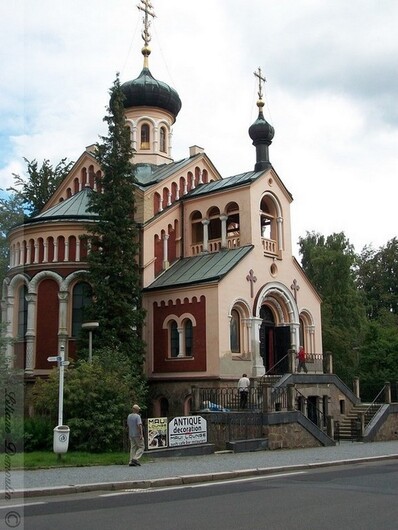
(222, 428)
(226, 399)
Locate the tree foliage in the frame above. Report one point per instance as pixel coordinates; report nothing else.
(378, 279)
(114, 272)
(11, 214)
(97, 400)
(329, 262)
(36, 190)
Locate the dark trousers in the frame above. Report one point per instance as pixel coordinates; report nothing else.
(243, 398)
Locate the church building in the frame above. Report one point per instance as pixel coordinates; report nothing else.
(222, 290)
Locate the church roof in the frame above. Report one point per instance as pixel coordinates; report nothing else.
(148, 174)
(74, 208)
(206, 268)
(225, 183)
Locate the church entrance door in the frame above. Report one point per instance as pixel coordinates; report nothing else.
(274, 343)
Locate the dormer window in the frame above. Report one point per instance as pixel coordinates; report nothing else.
(145, 137)
(162, 139)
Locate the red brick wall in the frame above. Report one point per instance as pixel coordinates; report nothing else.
(196, 363)
(47, 323)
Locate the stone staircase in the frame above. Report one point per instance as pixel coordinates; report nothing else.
(270, 379)
(349, 426)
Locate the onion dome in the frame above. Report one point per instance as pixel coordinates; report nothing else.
(146, 91)
(262, 133)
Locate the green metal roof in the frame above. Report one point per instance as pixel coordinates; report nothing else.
(148, 174)
(225, 183)
(76, 207)
(205, 268)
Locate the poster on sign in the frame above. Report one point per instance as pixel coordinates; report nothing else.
(156, 433)
(187, 430)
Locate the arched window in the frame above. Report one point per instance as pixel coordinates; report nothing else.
(188, 335)
(22, 312)
(268, 225)
(81, 299)
(235, 331)
(145, 140)
(174, 339)
(162, 139)
(197, 227)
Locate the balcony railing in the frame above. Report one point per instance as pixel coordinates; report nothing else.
(269, 246)
(214, 245)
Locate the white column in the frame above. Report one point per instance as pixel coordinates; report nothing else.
(28, 253)
(45, 252)
(8, 310)
(31, 333)
(223, 219)
(55, 259)
(77, 249)
(180, 342)
(155, 139)
(295, 335)
(134, 137)
(258, 366)
(279, 226)
(36, 260)
(169, 198)
(23, 254)
(205, 223)
(66, 256)
(200, 177)
(166, 263)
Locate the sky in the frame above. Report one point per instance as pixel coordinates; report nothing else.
(331, 93)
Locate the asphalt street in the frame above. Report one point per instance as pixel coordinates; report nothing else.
(184, 470)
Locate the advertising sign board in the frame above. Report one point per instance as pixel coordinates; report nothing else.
(156, 433)
(187, 430)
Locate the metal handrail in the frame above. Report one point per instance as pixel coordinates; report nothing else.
(276, 364)
(321, 414)
(371, 406)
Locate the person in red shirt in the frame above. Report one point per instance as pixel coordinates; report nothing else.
(301, 360)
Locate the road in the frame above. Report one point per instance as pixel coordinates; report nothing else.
(359, 497)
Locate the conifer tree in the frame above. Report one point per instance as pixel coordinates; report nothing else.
(113, 261)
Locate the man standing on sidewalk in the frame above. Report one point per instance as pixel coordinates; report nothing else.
(136, 436)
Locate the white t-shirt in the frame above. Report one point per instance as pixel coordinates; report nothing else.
(244, 383)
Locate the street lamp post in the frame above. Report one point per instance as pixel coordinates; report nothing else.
(90, 327)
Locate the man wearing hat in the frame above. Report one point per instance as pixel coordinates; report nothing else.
(136, 436)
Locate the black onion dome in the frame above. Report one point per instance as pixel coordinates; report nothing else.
(261, 132)
(146, 91)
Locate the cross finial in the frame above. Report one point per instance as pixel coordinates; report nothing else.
(146, 7)
(261, 81)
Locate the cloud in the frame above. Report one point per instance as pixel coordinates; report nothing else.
(331, 92)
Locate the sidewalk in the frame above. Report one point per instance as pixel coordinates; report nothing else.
(157, 472)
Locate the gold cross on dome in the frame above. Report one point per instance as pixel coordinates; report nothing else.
(148, 10)
(261, 81)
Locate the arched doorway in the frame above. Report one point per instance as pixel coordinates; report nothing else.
(274, 343)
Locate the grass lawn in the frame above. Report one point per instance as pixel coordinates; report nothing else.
(42, 460)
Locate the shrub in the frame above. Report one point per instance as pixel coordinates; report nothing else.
(97, 400)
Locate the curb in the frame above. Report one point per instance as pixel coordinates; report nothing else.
(189, 479)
